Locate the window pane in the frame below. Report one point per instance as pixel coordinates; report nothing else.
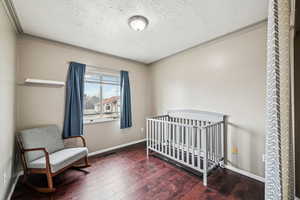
(111, 100)
(92, 77)
(110, 79)
(102, 96)
(92, 99)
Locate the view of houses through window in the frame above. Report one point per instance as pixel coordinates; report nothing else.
(101, 96)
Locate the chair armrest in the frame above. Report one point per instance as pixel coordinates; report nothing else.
(48, 166)
(37, 149)
(82, 139)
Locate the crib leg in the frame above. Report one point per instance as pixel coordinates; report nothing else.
(147, 153)
(205, 178)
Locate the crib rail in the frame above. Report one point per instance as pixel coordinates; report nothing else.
(197, 144)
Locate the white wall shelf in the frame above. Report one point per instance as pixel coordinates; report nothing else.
(32, 81)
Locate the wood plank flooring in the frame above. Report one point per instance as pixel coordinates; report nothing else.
(128, 175)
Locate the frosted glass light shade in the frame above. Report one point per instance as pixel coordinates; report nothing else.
(138, 23)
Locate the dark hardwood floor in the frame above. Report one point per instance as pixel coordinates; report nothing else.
(128, 175)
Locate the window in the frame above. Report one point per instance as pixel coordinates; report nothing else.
(101, 97)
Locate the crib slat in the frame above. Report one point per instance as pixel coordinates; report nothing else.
(180, 146)
(215, 146)
(193, 147)
(156, 137)
(212, 142)
(147, 137)
(187, 145)
(151, 133)
(177, 129)
(196, 134)
(159, 138)
(200, 138)
(199, 148)
(178, 133)
(173, 137)
(205, 156)
(208, 143)
(169, 139)
(154, 134)
(217, 142)
(164, 137)
(222, 139)
(168, 133)
(185, 139)
(181, 143)
(173, 142)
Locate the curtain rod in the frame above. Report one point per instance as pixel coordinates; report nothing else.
(103, 68)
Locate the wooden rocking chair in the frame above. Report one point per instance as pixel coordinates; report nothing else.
(43, 152)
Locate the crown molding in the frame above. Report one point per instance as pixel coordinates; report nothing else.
(11, 12)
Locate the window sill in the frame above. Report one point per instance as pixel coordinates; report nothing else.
(96, 121)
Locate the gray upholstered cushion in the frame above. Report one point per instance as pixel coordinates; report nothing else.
(60, 159)
(48, 137)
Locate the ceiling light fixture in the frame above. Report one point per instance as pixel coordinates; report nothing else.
(138, 22)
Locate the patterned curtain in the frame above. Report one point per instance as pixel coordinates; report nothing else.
(279, 172)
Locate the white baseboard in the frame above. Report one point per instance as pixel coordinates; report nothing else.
(116, 147)
(245, 173)
(13, 185)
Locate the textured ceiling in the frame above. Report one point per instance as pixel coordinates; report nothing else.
(101, 25)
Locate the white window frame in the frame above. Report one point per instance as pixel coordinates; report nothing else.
(101, 83)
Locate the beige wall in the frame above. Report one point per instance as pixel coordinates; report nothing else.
(7, 99)
(37, 106)
(226, 76)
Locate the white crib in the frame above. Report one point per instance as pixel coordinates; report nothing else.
(194, 139)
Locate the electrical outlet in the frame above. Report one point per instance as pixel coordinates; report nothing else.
(263, 157)
(142, 130)
(4, 178)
